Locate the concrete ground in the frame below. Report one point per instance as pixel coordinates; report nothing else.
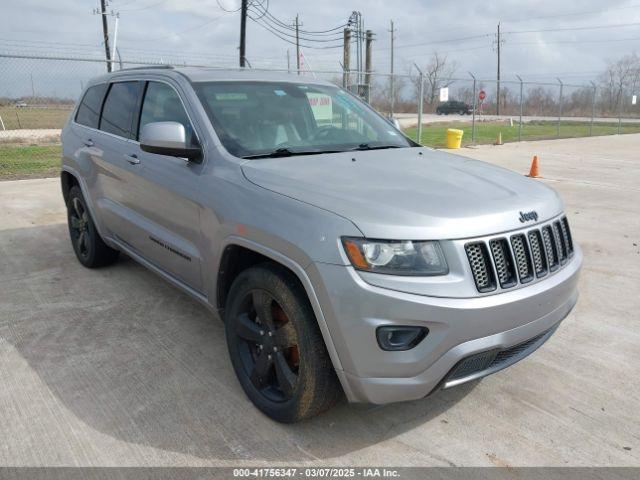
(116, 367)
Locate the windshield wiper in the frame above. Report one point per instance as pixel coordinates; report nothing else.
(286, 152)
(366, 146)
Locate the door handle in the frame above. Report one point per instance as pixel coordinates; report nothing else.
(88, 143)
(132, 159)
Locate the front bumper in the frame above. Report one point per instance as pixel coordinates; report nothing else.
(458, 329)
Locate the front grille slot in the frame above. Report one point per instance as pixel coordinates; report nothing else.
(550, 248)
(481, 266)
(523, 257)
(503, 262)
(538, 252)
(566, 234)
(560, 242)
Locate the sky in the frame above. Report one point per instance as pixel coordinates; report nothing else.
(542, 39)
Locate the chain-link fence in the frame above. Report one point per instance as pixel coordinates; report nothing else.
(37, 93)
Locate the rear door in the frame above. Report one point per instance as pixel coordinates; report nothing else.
(82, 143)
(116, 169)
(166, 192)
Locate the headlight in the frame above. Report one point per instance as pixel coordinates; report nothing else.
(396, 257)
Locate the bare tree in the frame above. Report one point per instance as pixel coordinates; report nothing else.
(438, 74)
(620, 76)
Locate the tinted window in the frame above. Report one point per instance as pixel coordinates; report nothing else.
(162, 104)
(119, 108)
(89, 109)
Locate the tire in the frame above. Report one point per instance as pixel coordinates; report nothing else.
(267, 308)
(89, 248)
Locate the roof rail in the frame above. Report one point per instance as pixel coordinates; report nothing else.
(147, 67)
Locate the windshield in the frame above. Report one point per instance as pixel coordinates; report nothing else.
(262, 119)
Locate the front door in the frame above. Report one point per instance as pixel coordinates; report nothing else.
(166, 193)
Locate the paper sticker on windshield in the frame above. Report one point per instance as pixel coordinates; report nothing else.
(390, 132)
(231, 96)
(321, 106)
(280, 93)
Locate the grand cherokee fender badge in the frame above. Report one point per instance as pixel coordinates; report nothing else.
(528, 216)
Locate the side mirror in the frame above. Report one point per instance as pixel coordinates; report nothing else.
(394, 122)
(168, 138)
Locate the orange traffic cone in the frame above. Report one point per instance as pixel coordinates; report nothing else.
(534, 172)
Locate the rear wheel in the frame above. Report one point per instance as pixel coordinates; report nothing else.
(90, 250)
(276, 347)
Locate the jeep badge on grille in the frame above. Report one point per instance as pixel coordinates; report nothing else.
(528, 216)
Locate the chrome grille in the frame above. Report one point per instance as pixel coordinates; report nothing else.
(537, 250)
(523, 258)
(480, 266)
(503, 262)
(520, 259)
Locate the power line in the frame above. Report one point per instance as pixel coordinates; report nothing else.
(144, 8)
(573, 14)
(434, 42)
(302, 37)
(293, 42)
(291, 32)
(607, 40)
(182, 32)
(282, 24)
(565, 29)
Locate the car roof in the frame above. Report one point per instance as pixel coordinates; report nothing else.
(204, 74)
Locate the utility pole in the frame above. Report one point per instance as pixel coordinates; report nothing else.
(115, 38)
(367, 64)
(346, 58)
(33, 88)
(298, 43)
(105, 33)
(243, 31)
(288, 62)
(392, 85)
(498, 77)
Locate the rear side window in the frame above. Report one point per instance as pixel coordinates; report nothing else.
(119, 108)
(89, 109)
(162, 104)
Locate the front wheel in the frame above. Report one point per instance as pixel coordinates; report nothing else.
(89, 248)
(276, 347)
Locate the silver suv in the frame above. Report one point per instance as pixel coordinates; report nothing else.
(344, 258)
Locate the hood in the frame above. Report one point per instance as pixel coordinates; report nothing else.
(409, 193)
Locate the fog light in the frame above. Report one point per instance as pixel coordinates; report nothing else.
(400, 338)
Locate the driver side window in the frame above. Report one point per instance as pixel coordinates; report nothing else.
(162, 104)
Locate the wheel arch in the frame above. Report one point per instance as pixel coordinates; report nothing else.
(69, 178)
(67, 181)
(240, 253)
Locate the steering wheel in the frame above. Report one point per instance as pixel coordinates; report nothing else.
(323, 132)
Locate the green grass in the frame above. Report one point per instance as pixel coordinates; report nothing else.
(29, 161)
(34, 117)
(487, 132)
